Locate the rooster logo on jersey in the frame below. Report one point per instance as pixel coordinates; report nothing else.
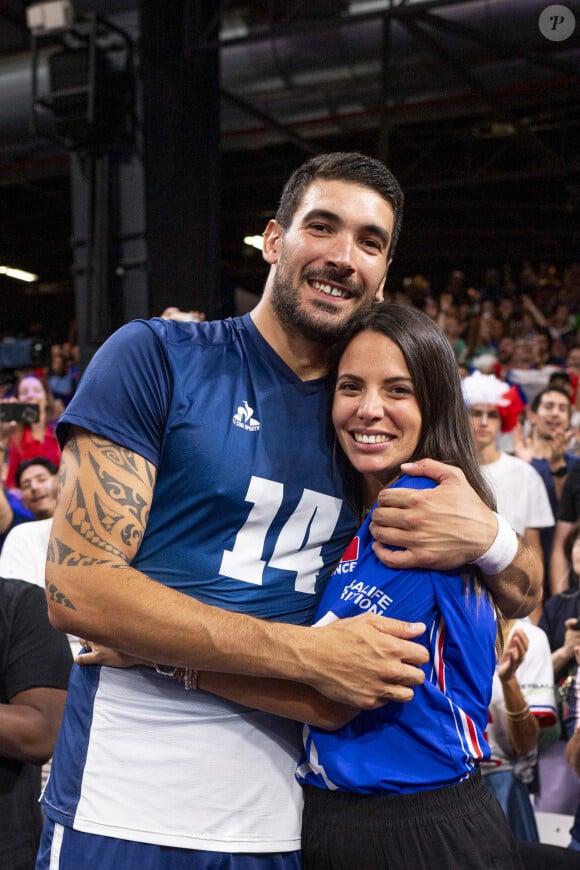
(244, 418)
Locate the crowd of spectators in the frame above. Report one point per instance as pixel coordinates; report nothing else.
(523, 331)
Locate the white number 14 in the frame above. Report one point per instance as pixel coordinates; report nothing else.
(299, 544)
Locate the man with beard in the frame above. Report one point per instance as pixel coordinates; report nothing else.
(199, 516)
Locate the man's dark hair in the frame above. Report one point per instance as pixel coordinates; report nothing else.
(348, 166)
(550, 389)
(38, 460)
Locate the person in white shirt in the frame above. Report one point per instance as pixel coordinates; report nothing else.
(520, 492)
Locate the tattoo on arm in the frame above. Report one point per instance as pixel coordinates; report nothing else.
(79, 519)
(59, 597)
(61, 480)
(73, 446)
(111, 514)
(60, 553)
(125, 459)
(121, 493)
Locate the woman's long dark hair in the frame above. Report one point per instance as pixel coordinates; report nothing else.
(445, 428)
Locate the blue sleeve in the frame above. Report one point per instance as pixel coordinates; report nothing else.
(125, 392)
(361, 583)
(470, 632)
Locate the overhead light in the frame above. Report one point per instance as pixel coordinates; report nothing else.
(19, 274)
(51, 17)
(254, 241)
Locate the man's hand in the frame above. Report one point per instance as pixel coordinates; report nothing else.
(442, 528)
(558, 444)
(366, 660)
(448, 527)
(522, 446)
(363, 661)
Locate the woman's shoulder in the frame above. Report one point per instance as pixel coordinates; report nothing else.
(405, 481)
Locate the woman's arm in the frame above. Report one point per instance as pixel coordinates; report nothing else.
(281, 697)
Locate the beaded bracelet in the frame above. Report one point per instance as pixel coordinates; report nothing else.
(187, 676)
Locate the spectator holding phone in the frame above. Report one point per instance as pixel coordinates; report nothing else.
(28, 440)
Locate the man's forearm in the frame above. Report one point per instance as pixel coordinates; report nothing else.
(105, 493)
(448, 527)
(118, 606)
(517, 589)
(355, 660)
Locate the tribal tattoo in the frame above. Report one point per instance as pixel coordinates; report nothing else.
(59, 597)
(122, 494)
(125, 459)
(61, 554)
(73, 446)
(111, 512)
(79, 519)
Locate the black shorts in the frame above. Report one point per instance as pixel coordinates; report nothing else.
(461, 827)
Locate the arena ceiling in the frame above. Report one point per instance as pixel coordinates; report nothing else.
(474, 104)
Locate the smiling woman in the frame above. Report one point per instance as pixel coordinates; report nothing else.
(397, 396)
(396, 381)
(375, 411)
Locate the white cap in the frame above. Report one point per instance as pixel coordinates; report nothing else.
(480, 389)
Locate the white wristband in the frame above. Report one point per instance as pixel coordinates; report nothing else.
(503, 550)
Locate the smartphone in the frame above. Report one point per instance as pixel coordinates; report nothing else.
(19, 412)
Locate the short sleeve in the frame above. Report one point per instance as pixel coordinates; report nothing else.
(37, 655)
(125, 392)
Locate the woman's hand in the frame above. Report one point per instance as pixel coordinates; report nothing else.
(95, 654)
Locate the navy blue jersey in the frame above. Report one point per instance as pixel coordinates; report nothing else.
(247, 515)
(247, 511)
(436, 739)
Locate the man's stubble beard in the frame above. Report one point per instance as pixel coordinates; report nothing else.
(285, 298)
